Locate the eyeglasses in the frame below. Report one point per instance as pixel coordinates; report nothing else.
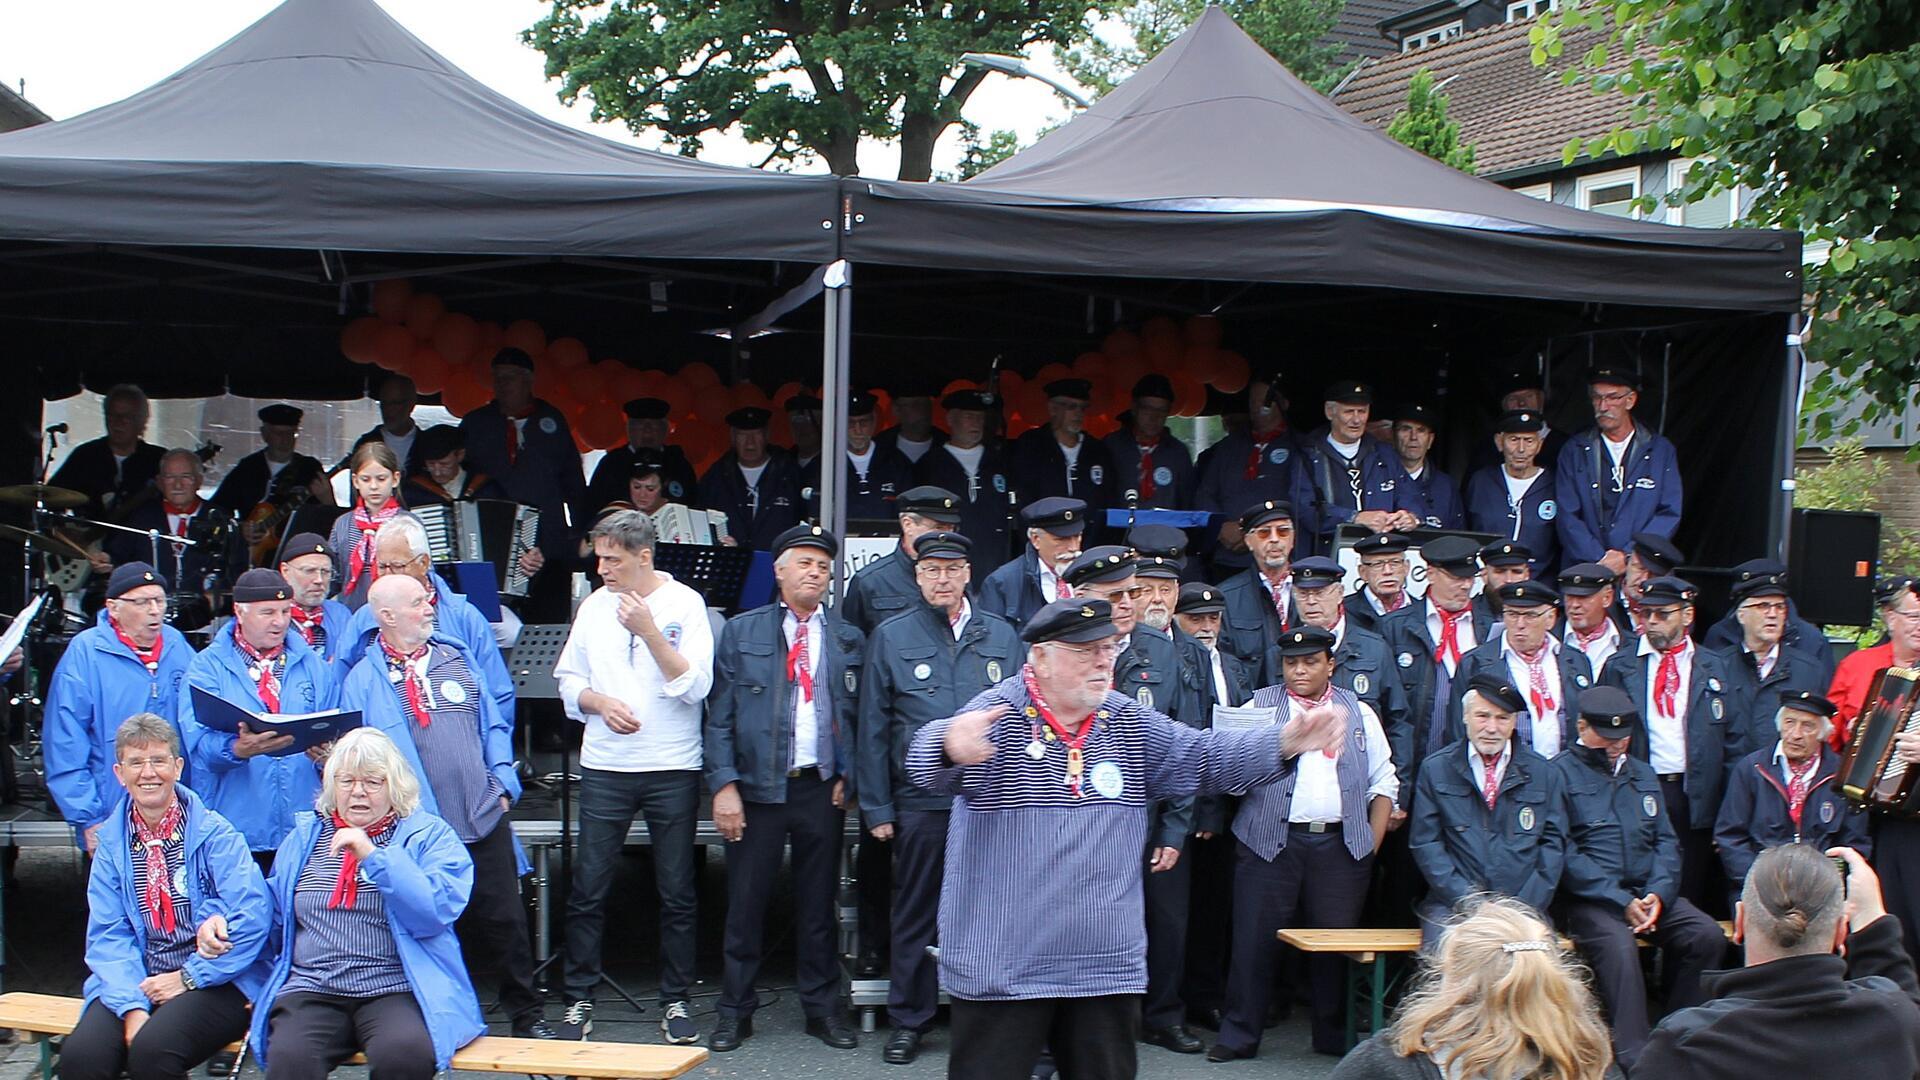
(160, 762)
(937, 571)
(1618, 397)
(1105, 650)
(1913, 614)
(350, 783)
(1662, 613)
(151, 603)
(1765, 607)
(396, 567)
(1534, 614)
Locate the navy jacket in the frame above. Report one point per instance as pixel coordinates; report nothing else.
(545, 473)
(1040, 470)
(1650, 501)
(1713, 740)
(411, 465)
(1362, 665)
(1801, 634)
(1490, 511)
(1516, 849)
(89, 469)
(1752, 702)
(725, 489)
(1151, 673)
(1013, 591)
(987, 501)
(1250, 627)
(611, 476)
(880, 590)
(1754, 815)
(750, 711)
(1383, 483)
(251, 483)
(1441, 495)
(1411, 646)
(1360, 610)
(1173, 475)
(888, 474)
(188, 569)
(1620, 844)
(1284, 472)
(1576, 675)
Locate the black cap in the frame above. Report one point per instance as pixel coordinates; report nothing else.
(130, 576)
(1506, 553)
(1097, 566)
(1497, 692)
(1609, 712)
(1382, 543)
(1078, 389)
(862, 403)
(283, 414)
(804, 403)
(1662, 591)
(1262, 512)
(1759, 585)
(1317, 572)
(1585, 579)
(941, 545)
(1072, 621)
(805, 535)
(1457, 555)
(646, 408)
(935, 503)
(1519, 421)
(1057, 514)
(749, 418)
(1520, 380)
(512, 357)
(1159, 550)
(438, 441)
(1657, 552)
(261, 584)
(1200, 598)
(1306, 641)
(911, 385)
(1415, 412)
(647, 466)
(1350, 393)
(1614, 376)
(1153, 385)
(1528, 593)
(304, 544)
(1808, 701)
(1886, 591)
(975, 400)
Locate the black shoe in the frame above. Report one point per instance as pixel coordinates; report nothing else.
(1044, 1069)
(577, 1024)
(1223, 1052)
(221, 1064)
(834, 1031)
(534, 1027)
(902, 1047)
(729, 1033)
(1175, 1038)
(1205, 1018)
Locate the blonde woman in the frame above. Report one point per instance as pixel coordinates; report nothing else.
(376, 498)
(1500, 1000)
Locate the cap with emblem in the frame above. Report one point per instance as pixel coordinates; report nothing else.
(1456, 555)
(1657, 553)
(1350, 393)
(1159, 550)
(805, 535)
(1497, 692)
(512, 357)
(1526, 594)
(261, 585)
(1886, 592)
(1663, 591)
(1317, 572)
(1099, 566)
(1519, 422)
(646, 408)
(1520, 380)
(1262, 512)
(1585, 579)
(282, 415)
(1759, 577)
(1505, 553)
(1415, 412)
(804, 403)
(438, 441)
(130, 576)
(1614, 376)
(1609, 712)
(972, 400)
(1153, 385)
(303, 544)
(1077, 389)
(1057, 514)
(1306, 641)
(749, 418)
(941, 545)
(1808, 701)
(934, 503)
(1382, 543)
(1200, 598)
(862, 403)
(1071, 621)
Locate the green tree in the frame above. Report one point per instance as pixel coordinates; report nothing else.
(800, 77)
(1294, 31)
(1423, 124)
(977, 157)
(1814, 107)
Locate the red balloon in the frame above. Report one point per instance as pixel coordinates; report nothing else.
(1089, 364)
(711, 404)
(1232, 375)
(567, 353)
(526, 335)
(1121, 343)
(605, 427)
(679, 398)
(455, 336)
(390, 299)
(698, 374)
(549, 383)
(1191, 392)
(465, 393)
(490, 338)
(1204, 330)
(360, 340)
(423, 310)
(624, 383)
(392, 347)
(1159, 328)
(428, 369)
(1164, 351)
(780, 396)
(1201, 361)
(748, 394)
(586, 382)
(1050, 373)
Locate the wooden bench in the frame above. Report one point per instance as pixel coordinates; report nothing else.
(38, 1016)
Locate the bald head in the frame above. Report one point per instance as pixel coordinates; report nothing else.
(401, 610)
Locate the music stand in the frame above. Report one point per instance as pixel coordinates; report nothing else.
(717, 573)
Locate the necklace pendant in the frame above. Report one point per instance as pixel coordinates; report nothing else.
(1036, 749)
(1075, 765)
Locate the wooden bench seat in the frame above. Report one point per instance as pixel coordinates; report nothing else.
(40, 1015)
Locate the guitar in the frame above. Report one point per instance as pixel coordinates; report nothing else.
(70, 573)
(268, 518)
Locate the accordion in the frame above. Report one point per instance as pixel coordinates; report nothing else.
(484, 530)
(1871, 774)
(676, 523)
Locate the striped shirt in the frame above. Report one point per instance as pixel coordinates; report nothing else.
(166, 952)
(1042, 891)
(347, 951)
(465, 790)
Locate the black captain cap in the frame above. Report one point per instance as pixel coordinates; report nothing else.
(749, 418)
(805, 535)
(1526, 594)
(1056, 514)
(1077, 389)
(1349, 393)
(1585, 579)
(646, 408)
(1262, 512)
(438, 441)
(130, 576)
(1159, 550)
(1153, 385)
(934, 503)
(261, 585)
(1519, 422)
(1657, 553)
(1663, 591)
(1456, 555)
(1614, 376)
(1306, 641)
(1200, 598)
(1382, 543)
(1317, 572)
(1072, 621)
(973, 400)
(303, 544)
(941, 545)
(1808, 701)
(1609, 712)
(1100, 565)
(1497, 692)
(281, 414)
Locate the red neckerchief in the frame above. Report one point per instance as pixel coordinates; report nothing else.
(1585, 638)
(1260, 449)
(346, 887)
(401, 669)
(269, 684)
(157, 899)
(1399, 601)
(184, 516)
(369, 526)
(1076, 759)
(1310, 704)
(1449, 633)
(1278, 589)
(1666, 681)
(1146, 463)
(150, 656)
(1799, 783)
(799, 670)
(309, 621)
(513, 430)
(1537, 693)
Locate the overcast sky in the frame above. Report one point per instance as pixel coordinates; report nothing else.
(76, 56)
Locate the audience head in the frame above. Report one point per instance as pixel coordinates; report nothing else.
(126, 411)
(401, 609)
(1074, 644)
(137, 601)
(802, 565)
(366, 777)
(623, 545)
(307, 564)
(1794, 903)
(401, 547)
(179, 478)
(147, 762)
(262, 608)
(376, 474)
(941, 569)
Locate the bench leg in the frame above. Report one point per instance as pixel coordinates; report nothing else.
(1379, 993)
(46, 1058)
(1353, 1004)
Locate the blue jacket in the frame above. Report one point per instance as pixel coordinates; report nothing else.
(97, 685)
(545, 473)
(1411, 646)
(425, 876)
(1754, 816)
(1516, 849)
(1620, 842)
(1250, 626)
(880, 590)
(1576, 675)
(1442, 498)
(1713, 739)
(1490, 511)
(337, 620)
(1173, 477)
(1285, 472)
(1650, 503)
(1013, 591)
(259, 795)
(221, 879)
(1752, 702)
(750, 710)
(1383, 484)
(456, 618)
(1801, 634)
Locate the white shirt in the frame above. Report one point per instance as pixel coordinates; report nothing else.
(1285, 606)
(1618, 452)
(1316, 785)
(915, 449)
(1346, 450)
(1765, 661)
(1220, 696)
(1477, 767)
(175, 521)
(960, 624)
(274, 467)
(968, 457)
(1516, 492)
(1544, 730)
(861, 462)
(806, 722)
(1339, 627)
(1602, 648)
(1073, 460)
(401, 445)
(1463, 633)
(601, 655)
(752, 473)
(1667, 735)
(1049, 583)
(1786, 770)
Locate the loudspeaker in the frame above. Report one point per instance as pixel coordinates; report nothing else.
(1832, 559)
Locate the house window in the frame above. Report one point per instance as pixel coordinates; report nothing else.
(1522, 10)
(1716, 211)
(1543, 192)
(1610, 192)
(1433, 36)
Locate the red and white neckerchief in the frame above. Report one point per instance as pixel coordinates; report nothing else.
(1260, 450)
(1146, 464)
(1587, 638)
(1281, 597)
(149, 656)
(1666, 680)
(1385, 608)
(181, 518)
(1490, 786)
(157, 899)
(1538, 693)
(1074, 742)
(311, 622)
(369, 526)
(1309, 704)
(799, 667)
(261, 668)
(515, 422)
(1799, 782)
(408, 672)
(346, 886)
(1449, 647)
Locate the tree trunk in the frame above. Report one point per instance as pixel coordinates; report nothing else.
(918, 134)
(843, 155)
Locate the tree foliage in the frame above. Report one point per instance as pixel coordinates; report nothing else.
(1294, 31)
(1815, 107)
(800, 77)
(1423, 124)
(1851, 479)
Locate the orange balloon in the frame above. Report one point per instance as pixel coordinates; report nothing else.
(1050, 373)
(746, 393)
(463, 395)
(882, 410)
(1232, 374)
(360, 340)
(488, 337)
(392, 347)
(1201, 361)
(679, 397)
(428, 369)
(625, 383)
(780, 396)
(698, 374)
(1121, 343)
(423, 310)
(586, 382)
(1204, 330)
(567, 352)
(604, 427)
(1089, 364)
(1159, 328)
(526, 335)
(455, 336)
(958, 385)
(1164, 352)
(390, 299)
(1192, 393)
(780, 429)
(1011, 381)
(711, 404)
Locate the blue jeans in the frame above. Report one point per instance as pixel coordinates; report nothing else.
(609, 801)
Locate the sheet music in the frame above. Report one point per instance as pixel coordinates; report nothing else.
(1244, 717)
(17, 631)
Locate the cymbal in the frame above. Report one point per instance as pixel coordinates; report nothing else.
(52, 545)
(55, 498)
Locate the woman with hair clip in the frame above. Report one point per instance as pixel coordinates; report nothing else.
(375, 471)
(1499, 1000)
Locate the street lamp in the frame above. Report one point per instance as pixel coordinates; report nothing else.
(1017, 67)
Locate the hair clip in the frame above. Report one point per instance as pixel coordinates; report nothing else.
(1534, 945)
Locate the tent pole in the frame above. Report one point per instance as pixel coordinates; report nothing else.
(836, 363)
(1792, 385)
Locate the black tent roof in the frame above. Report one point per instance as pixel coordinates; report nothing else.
(1213, 162)
(326, 125)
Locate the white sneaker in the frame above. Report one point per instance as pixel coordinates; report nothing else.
(578, 1022)
(677, 1024)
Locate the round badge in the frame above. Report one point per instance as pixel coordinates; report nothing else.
(671, 632)
(1406, 660)
(1526, 819)
(1548, 511)
(1713, 685)
(1107, 780)
(1097, 475)
(1278, 455)
(1163, 476)
(999, 483)
(1360, 683)
(1146, 697)
(1826, 813)
(453, 692)
(922, 671)
(548, 426)
(1580, 680)
(993, 671)
(180, 880)
(675, 489)
(806, 493)
(1652, 808)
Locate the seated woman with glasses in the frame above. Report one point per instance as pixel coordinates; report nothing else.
(366, 890)
(154, 1008)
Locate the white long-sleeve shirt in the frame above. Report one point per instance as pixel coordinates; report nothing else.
(602, 656)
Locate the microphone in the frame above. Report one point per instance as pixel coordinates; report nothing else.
(1133, 498)
(57, 429)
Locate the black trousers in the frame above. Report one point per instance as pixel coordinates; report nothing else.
(1697, 859)
(494, 925)
(1166, 895)
(1209, 921)
(1690, 941)
(1092, 1038)
(753, 861)
(1896, 858)
(920, 859)
(177, 1037)
(1314, 881)
(670, 802)
(309, 1034)
(873, 889)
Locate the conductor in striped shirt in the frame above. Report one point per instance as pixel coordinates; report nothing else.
(1042, 926)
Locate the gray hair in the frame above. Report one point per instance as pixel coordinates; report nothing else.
(126, 391)
(145, 729)
(406, 525)
(1794, 899)
(1780, 718)
(189, 456)
(629, 530)
(369, 754)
